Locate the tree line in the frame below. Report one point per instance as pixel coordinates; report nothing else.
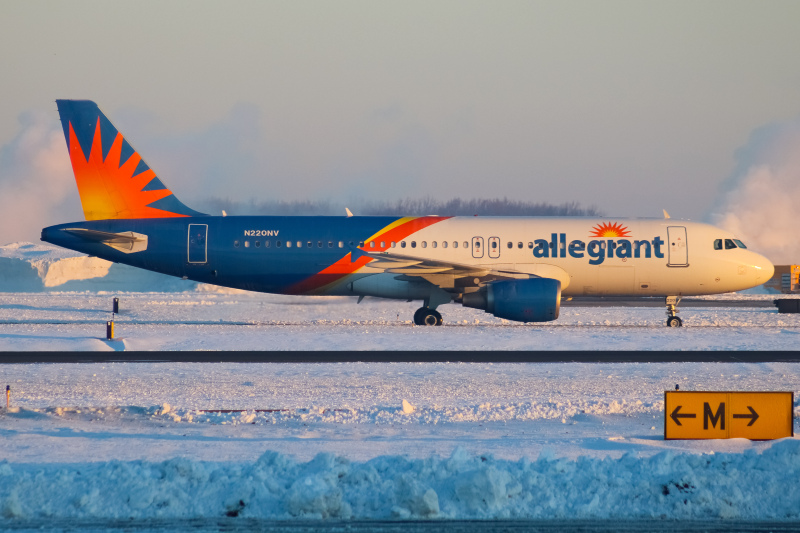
(401, 207)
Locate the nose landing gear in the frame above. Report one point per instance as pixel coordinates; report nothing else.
(673, 320)
(425, 316)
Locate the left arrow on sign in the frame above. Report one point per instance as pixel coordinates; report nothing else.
(753, 416)
(677, 416)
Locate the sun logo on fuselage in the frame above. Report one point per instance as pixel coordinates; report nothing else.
(610, 230)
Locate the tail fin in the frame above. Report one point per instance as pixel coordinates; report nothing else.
(113, 179)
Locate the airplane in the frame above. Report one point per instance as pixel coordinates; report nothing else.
(515, 268)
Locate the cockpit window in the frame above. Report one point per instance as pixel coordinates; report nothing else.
(718, 244)
(739, 243)
(729, 244)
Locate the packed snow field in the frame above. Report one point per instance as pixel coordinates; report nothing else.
(381, 441)
(201, 320)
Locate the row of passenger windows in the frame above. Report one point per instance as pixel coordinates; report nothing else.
(719, 244)
(372, 244)
(729, 244)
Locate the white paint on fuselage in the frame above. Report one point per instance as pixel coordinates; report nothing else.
(708, 271)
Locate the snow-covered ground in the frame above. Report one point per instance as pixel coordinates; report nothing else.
(358, 440)
(201, 320)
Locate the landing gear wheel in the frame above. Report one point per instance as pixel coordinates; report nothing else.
(672, 309)
(427, 317)
(674, 322)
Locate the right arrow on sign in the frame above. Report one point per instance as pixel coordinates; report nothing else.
(753, 416)
(677, 416)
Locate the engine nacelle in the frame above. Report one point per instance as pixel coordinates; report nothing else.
(523, 300)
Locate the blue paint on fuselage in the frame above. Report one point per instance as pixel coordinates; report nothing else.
(261, 268)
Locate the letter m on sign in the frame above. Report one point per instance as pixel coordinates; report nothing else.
(719, 416)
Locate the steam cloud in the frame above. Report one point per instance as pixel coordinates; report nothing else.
(762, 199)
(36, 184)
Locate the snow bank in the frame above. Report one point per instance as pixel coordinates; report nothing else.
(28, 267)
(462, 486)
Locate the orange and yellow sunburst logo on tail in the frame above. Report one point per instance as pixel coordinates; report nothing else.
(113, 180)
(610, 230)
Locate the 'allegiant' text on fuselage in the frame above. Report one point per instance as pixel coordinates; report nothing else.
(597, 250)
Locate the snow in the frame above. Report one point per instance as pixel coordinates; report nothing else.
(748, 485)
(381, 441)
(32, 267)
(201, 320)
(365, 440)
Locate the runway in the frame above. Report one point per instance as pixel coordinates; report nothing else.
(400, 356)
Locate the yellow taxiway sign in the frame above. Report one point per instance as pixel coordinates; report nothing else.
(728, 415)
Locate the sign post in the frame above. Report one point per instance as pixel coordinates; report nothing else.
(728, 415)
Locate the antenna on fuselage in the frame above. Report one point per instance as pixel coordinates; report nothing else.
(666, 215)
(349, 213)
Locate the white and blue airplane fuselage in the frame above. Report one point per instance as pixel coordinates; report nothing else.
(516, 268)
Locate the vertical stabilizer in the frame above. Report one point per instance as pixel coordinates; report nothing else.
(113, 179)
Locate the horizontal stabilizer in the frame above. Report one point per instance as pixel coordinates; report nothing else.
(127, 241)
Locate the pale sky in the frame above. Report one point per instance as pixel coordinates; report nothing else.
(629, 106)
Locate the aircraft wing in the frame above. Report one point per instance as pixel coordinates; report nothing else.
(447, 275)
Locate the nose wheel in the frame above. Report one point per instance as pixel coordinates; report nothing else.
(673, 320)
(425, 316)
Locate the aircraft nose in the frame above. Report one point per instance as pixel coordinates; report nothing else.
(764, 269)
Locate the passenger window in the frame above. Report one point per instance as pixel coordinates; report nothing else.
(530, 245)
(300, 244)
(361, 244)
(394, 244)
(319, 244)
(718, 244)
(266, 244)
(278, 244)
(247, 244)
(424, 244)
(434, 244)
(288, 244)
(510, 245)
(309, 244)
(729, 244)
(444, 244)
(258, 244)
(466, 244)
(236, 244)
(330, 244)
(519, 245)
(383, 244)
(413, 244)
(341, 244)
(372, 244)
(740, 244)
(403, 244)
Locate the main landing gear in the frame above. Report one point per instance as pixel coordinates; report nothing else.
(673, 320)
(425, 316)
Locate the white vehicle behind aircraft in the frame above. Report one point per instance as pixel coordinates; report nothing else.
(515, 268)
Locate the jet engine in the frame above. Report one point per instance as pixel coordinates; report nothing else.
(523, 300)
